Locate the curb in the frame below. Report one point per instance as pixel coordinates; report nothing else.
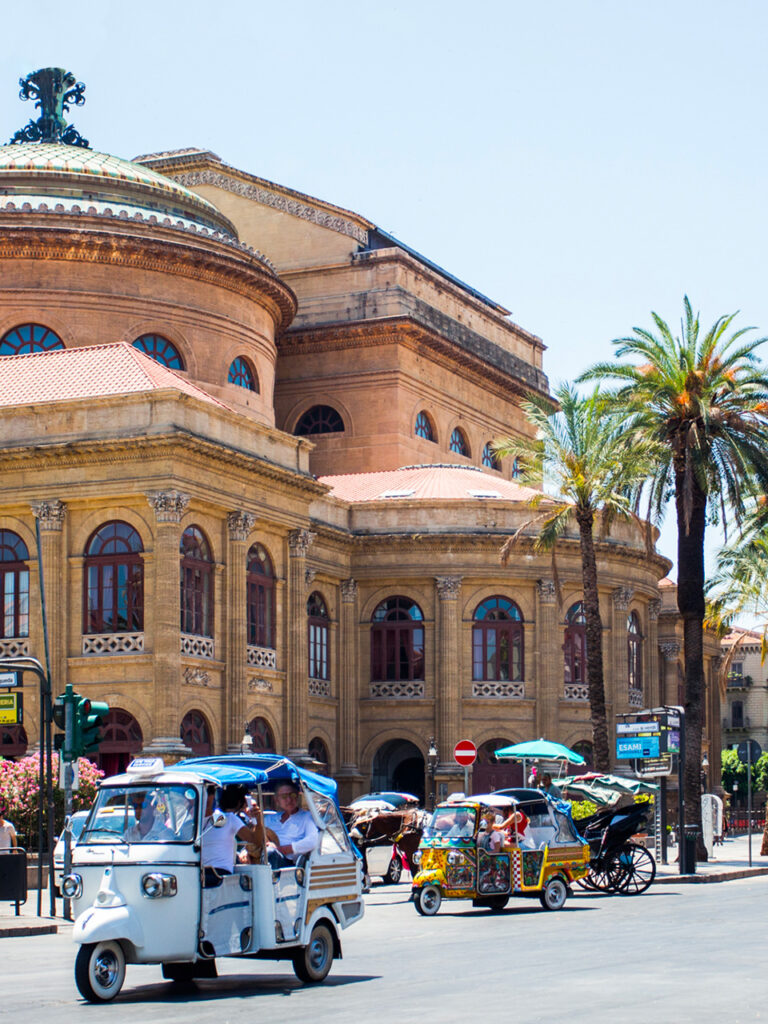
(14, 931)
(719, 876)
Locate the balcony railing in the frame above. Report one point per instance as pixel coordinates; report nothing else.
(14, 647)
(498, 688)
(319, 688)
(197, 646)
(576, 691)
(113, 643)
(261, 657)
(409, 689)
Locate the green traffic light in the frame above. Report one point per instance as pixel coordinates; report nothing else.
(90, 718)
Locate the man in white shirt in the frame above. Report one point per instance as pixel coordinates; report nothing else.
(293, 830)
(219, 844)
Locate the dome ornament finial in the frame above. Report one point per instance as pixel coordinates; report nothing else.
(53, 89)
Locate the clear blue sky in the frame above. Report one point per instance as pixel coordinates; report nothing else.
(581, 163)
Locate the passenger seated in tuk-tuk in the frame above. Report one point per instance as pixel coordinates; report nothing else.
(513, 827)
(291, 832)
(219, 845)
(490, 837)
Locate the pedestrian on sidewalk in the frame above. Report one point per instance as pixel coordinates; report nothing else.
(7, 833)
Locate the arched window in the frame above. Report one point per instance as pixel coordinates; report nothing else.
(459, 443)
(243, 375)
(397, 641)
(29, 338)
(517, 469)
(317, 618)
(123, 739)
(261, 734)
(575, 646)
(318, 751)
(161, 350)
(260, 582)
(497, 641)
(635, 652)
(13, 742)
(585, 748)
(114, 580)
(320, 419)
(196, 583)
(490, 458)
(14, 585)
(424, 427)
(195, 733)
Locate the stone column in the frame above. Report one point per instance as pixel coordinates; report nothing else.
(670, 651)
(296, 691)
(617, 695)
(239, 525)
(349, 692)
(548, 660)
(651, 649)
(52, 563)
(448, 672)
(169, 507)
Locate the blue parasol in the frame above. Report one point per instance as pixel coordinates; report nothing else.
(540, 750)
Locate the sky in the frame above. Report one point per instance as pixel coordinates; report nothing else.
(580, 163)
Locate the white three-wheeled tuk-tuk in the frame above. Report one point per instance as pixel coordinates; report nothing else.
(138, 884)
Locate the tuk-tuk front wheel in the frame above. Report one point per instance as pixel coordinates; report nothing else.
(312, 962)
(554, 894)
(428, 899)
(100, 971)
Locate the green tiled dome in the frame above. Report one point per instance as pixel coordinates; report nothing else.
(51, 170)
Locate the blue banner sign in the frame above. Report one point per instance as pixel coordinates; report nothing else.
(629, 747)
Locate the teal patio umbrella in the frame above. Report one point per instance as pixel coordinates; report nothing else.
(540, 750)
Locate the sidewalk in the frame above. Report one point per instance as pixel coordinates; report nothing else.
(730, 861)
(28, 923)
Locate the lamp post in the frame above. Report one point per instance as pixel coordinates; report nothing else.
(704, 772)
(246, 743)
(433, 759)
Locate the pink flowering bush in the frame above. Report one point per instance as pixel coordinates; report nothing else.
(20, 791)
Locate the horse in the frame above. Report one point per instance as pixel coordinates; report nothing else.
(402, 828)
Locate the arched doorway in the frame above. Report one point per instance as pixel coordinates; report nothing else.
(319, 753)
(196, 733)
(399, 765)
(261, 734)
(584, 747)
(122, 741)
(488, 774)
(13, 742)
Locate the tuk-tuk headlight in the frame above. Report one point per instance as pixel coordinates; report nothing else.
(155, 886)
(417, 857)
(72, 887)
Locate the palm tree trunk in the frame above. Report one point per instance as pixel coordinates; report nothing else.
(594, 630)
(690, 603)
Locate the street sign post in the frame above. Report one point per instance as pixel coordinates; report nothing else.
(748, 752)
(464, 753)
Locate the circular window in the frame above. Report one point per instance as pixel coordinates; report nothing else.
(29, 338)
(241, 374)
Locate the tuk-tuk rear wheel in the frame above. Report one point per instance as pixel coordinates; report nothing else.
(554, 894)
(427, 900)
(312, 962)
(100, 971)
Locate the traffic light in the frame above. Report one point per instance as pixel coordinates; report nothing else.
(89, 719)
(69, 697)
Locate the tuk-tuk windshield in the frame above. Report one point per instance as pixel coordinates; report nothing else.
(143, 814)
(451, 823)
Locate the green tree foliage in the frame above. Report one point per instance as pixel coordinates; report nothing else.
(581, 450)
(702, 396)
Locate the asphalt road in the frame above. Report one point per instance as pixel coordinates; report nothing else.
(677, 953)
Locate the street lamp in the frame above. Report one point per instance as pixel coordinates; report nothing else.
(704, 772)
(246, 743)
(433, 759)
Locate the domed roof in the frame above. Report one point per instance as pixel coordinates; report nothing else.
(53, 170)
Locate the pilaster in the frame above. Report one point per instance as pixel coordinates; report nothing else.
(51, 515)
(448, 670)
(296, 694)
(549, 660)
(239, 526)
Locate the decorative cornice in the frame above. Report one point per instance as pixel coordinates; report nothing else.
(169, 506)
(192, 179)
(299, 542)
(240, 524)
(654, 609)
(348, 591)
(122, 244)
(622, 597)
(547, 591)
(50, 514)
(448, 587)
(670, 649)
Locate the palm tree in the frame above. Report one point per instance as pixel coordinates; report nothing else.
(703, 397)
(581, 448)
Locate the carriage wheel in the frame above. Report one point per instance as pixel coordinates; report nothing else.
(638, 869)
(604, 876)
(427, 900)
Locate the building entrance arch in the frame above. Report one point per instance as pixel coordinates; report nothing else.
(488, 774)
(13, 742)
(122, 741)
(398, 765)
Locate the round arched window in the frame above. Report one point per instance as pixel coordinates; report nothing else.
(424, 427)
(634, 652)
(459, 442)
(161, 350)
(517, 469)
(397, 641)
(243, 375)
(14, 585)
(575, 645)
(28, 338)
(196, 583)
(320, 419)
(195, 733)
(262, 736)
(497, 641)
(260, 581)
(317, 621)
(114, 580)
(490, 458)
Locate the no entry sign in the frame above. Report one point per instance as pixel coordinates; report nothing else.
(465, 752)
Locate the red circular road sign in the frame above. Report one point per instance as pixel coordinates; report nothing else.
(465, 752)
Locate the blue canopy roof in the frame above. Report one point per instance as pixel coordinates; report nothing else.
(258, 769)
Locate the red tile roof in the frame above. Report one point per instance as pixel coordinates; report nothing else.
(66, 375)
(419, 483)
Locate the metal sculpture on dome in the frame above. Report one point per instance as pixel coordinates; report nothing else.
(53, 89)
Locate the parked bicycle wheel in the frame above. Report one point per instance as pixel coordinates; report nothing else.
(633, 869)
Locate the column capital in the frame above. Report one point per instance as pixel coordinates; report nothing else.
(622, 597)
(547, 591)
(348, 591)
(299, 542)
(50, 514)
(669, 648)
(654, 609)
(169, 506)
(240, 524)
(448, 587)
